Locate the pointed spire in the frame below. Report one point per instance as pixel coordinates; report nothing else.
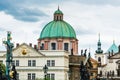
(99, 37)
(99, 46)
(58, 7)
(113, 41)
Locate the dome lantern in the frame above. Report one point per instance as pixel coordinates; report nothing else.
(58, 28)
(58, 15)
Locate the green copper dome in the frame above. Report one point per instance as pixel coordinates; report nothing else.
(58, 29)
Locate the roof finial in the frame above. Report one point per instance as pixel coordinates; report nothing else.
(99, 36)
(89, 49)
(113, 41)
(58, 7)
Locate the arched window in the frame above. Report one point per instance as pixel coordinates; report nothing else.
(60, 17)
(42, 46)
(99, 59)
(53, 46)
(100, 73)
(57, 17)
(66, 46)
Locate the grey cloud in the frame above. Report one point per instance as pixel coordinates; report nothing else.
(100, 2)
(21, 11)
(81, 31)
(2, 29)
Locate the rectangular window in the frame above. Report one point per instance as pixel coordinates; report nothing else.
(17, 76)
(29, 62)
(52, 76)
(48, 62)
(53, 63)
(66, 46)
(53, 46)
(29, 76)
(33, 76)
(33, 63)
(17, 62)
(48, 76)
(13, 62)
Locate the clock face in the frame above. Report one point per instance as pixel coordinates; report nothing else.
(24, 51)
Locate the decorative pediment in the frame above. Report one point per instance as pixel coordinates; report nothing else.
(25, 50)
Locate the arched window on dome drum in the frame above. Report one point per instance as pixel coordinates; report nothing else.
(53, 46)
(57, 17)
(60, 17)
(66, 46)
(42, 46)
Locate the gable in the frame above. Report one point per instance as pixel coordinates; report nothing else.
(118, 62)
(116, 56)
(25, 50)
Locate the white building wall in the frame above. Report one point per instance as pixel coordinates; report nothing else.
(61, 62)
(102, 56)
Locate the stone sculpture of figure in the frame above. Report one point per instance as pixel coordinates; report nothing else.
(82, 70)
(81, 52)
(112, 73)
(85, 52)
(14, 73)
(84, 74)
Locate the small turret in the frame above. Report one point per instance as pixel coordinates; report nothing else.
(99, 50)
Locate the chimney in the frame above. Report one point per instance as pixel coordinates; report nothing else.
(30, 44)
(35, 47)
(17, 44)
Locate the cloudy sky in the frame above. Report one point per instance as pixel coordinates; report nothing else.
(26, 18)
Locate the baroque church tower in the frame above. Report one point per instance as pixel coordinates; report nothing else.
(58, 35)
(99, 56)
